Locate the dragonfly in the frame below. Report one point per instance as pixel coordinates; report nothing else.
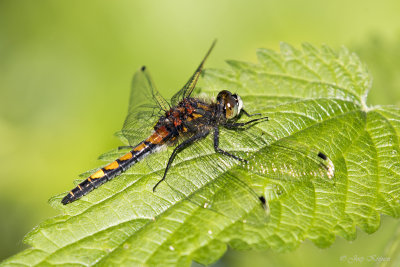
(180, 122)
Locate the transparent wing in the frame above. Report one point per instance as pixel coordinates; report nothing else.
(145, 106)
(230, 197)
(202, 177)
(286, 163)
(191, 84)
(291, 161)
(199, 176)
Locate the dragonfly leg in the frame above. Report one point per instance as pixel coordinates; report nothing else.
(219, 150)
(250, 115)
(241, 124)
(178, 148)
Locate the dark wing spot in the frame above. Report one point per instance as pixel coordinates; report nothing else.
(143, 68)
(322, 156)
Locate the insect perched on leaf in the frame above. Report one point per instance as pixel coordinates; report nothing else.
(181, 122)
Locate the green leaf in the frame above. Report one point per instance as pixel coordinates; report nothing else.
(316, 101)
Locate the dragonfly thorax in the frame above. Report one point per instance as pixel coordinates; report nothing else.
(232, 104)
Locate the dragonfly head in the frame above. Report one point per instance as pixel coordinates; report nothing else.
(231, 103)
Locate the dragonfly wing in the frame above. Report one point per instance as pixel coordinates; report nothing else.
(198, 176)
(291, 161)
(233, 198)
(188, 88)
(146, 105)
(149, 84)
(239, 192)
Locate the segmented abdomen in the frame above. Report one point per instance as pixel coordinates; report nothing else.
(115, 168)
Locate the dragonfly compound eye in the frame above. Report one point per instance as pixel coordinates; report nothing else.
(231, 108)
(231, 102)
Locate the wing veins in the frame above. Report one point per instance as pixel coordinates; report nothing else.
(188, 88)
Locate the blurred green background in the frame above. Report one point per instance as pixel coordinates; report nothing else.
(66, 67)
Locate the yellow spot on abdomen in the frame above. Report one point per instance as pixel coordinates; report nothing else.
(196, 115)
(140, 147)
(203, 107)
(126, 156)
(113, 165)
(98, 174)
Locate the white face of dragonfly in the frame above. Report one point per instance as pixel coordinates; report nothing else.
(239, 102)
